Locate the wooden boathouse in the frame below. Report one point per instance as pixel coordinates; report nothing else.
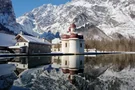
(30, 45)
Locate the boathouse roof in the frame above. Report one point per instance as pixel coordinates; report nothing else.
(33, 39)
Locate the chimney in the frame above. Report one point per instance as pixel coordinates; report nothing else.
(43, 39)
(21, 33)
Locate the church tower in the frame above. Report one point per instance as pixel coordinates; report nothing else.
(72, 42)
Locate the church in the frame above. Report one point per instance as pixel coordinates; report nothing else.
(72, 42)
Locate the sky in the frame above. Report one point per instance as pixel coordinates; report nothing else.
(23, 6)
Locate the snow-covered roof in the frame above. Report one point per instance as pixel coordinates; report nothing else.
(7, 39)
(34, 39)
(56, 41)
(16, 46)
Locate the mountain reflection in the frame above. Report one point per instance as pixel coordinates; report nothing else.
(77, 72)
(117, 62)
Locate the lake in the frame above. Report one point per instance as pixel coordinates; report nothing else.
(76, 72)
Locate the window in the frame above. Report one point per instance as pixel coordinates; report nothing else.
(17, 44)
(66, 62)
(81, 62)
(65, 44)
(80, 44)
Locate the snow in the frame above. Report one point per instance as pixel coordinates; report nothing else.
(125, 78)
(110, 16)
(7, 40)
(7, 69)
(16, 46)
(82, 3)
(34, 39)
(56, 41)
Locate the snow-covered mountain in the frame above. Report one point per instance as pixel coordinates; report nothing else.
(113, 18)
(8, 22)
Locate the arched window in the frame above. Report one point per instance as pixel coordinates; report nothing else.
(80, 44)
(17, 44)
(66, 62)
(65, 44)
(81, 62)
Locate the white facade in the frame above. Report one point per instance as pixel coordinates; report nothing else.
(65, 46)
(72, 63)
(19, 65)
(22, 44)
(74, 45)
(65, 62)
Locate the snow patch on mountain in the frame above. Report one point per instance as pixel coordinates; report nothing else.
(110, 16)
(8, 19)
(44, 78)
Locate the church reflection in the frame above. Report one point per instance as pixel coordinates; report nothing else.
(72, 65)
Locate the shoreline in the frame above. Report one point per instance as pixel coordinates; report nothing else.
(59, 54)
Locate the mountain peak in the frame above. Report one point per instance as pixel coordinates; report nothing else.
(109, 16)
(6, 12)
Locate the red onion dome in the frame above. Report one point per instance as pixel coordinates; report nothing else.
(74, 35)
(72, 72)
(65, 71)
(64, 36)
(73, 25)
(69, 29)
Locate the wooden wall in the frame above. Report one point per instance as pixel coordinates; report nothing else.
(20, 39)
(39, 48)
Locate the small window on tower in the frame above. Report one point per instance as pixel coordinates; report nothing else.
(17, 44)
(81, 62)
(80, 44)
(65, 62)
(65, 44)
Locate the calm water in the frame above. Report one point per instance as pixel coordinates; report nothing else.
(96, 72)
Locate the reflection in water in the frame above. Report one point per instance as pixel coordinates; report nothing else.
(7, 76)
(120, 76)
(47, 77)
(102, 72)
(78, 75)
(118, 62)
(72, 65)
(23, 63)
